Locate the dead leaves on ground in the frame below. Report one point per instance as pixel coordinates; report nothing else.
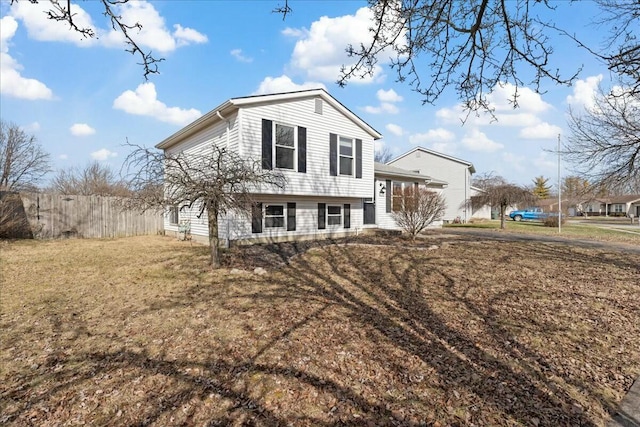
(471, 333)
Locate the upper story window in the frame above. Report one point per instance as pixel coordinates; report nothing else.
(285, 146)
(346, 156)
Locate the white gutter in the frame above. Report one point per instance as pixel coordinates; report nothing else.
(221, 117)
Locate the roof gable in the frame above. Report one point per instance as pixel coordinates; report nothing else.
(435, 153)
(234, 104)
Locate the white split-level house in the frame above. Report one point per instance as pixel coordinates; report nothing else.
(324, 151)
(455, 172)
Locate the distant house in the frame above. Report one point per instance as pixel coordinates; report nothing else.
(455, 172)
(612, 206)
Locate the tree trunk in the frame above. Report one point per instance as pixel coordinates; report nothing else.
(502, 209)
(214, 240)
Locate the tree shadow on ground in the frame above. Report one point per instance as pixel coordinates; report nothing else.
(447, 354)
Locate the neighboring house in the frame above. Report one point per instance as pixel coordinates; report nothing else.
(612, 206)
(455, 172)
(322, 148)
(389, 183)
(484, 212)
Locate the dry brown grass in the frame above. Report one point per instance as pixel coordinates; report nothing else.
(138, 331)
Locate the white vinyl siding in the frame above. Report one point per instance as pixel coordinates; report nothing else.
(316, 180)
(455, 173)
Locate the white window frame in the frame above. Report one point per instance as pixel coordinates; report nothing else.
(269, 216)
(287, 147)
(351, 158)
(403, 185)
(617, 208)
(174, 211)
(334, 216)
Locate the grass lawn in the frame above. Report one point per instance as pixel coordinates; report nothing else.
(571, 230)
(138, 331)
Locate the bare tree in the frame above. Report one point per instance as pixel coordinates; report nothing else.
(60, 10)
(604, 143)
(23, 162)
(216, 182)
(497, 192)
(94, 179)
(383, 155)
(420, 207)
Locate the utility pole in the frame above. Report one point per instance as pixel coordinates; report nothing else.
(559, 191)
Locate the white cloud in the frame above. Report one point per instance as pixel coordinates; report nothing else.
(144, 102)
(546, 161)
(103, 154)
(154, 34)
(514, 161)
(284, 84)
(445, 147)
(530, 106)
(319, 52)
(32, 127)
(584, 91)
(12, 83)
(39, 27)
(433, 136)
(395, 129)
(237, 53)
(478, 141)
(81, 129)
(387, 99)
(186, 35)
(388, 96)
(540, 131)
(501, 98)
(385, 107)
(63, 157)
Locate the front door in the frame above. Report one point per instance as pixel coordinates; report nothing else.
(369, 212)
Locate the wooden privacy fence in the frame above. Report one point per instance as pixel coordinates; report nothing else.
(54, 215)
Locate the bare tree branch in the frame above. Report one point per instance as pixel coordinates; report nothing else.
(215, 181)
(420, 208)
(23, 162)
(604, 143)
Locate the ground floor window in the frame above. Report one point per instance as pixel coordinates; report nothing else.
(334, 215)
(617, 208)
(274, 216)
(173, 215)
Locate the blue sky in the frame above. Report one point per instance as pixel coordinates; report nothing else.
(83, 99)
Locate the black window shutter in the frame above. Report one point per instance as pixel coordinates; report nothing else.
(333, 154)
(358, 158)
(256, 218)
(322, 214)
(302, 149)
(347, 215)
(388, 194)
(267, 151)
(291, 217)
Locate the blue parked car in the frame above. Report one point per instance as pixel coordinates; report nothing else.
(529, 213)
